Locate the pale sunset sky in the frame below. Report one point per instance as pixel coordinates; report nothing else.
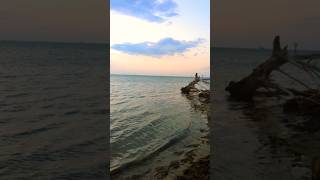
(160, 37)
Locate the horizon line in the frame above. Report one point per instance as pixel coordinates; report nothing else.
(262, 48)
(106, 43)
(154, 75)
(49, 41)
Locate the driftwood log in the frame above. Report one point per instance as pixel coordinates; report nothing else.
(246, 88)
(190, 89)
(306, 102)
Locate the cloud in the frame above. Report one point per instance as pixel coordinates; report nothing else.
(150, 10)
(169, 23)
(166, 46)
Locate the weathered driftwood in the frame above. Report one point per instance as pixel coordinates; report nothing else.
(191, 86)
(305, 102)
(246, 88)
(190, 89)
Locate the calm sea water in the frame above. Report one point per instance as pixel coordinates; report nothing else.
(149, 117)
(52, 111)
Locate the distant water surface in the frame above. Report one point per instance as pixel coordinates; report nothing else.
(52, 106)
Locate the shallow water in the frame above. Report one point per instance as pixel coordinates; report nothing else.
(150, 120)
(53, 111)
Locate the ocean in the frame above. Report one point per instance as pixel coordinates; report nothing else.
(53, 110)
(53, 119)
(151, 122)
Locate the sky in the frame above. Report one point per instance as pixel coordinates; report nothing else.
(254, 23)
(160, 37)
(54, 20)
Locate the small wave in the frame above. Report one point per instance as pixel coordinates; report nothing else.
(32, 132)
(119, 103)
(57, 97)
(53, 88)
(137, 126)
(127, 109)
(100, 111)
(72, 112)
(17, 95)
(45, 116)
(15, 109)
(47, 106)
(9, 76)
(169, 143)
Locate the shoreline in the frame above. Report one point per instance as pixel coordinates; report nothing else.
(178, 158)
(198, 169)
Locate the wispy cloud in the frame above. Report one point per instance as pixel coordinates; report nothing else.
(166, 46)
(150, 10)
